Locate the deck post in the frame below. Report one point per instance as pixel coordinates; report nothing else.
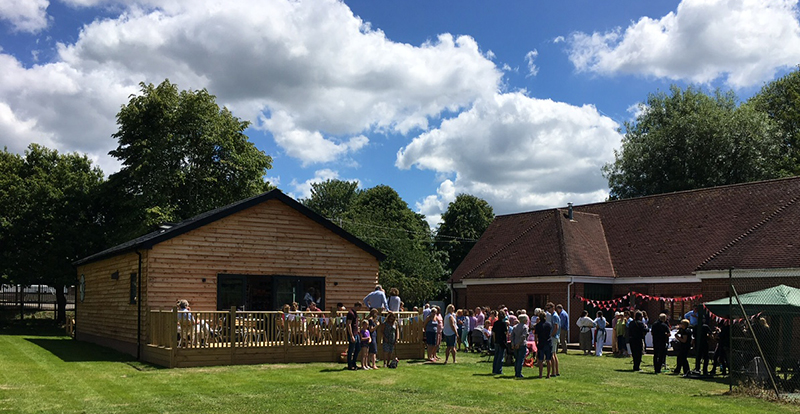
(285, 339)
(232, 332)
(332, 327)
(173, 336)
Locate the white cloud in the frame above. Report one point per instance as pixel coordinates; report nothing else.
(303, 189)
(529, 58)
(310, 72)
(745, 41)
(433, 206)
(25, 15)
(559, 39)
(518, 153)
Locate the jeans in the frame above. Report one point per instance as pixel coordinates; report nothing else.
(499, 353)
(353, 350)
(659, 356)
(519, 359)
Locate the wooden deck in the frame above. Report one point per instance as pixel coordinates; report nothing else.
(190, 339)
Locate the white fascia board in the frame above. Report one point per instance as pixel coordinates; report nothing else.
(749, 273)
(581, 279)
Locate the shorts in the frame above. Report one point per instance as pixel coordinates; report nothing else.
(554, 342)
(430, 338)
(544, 353)
(450, 340)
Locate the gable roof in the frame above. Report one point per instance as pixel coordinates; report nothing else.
(149, 240)
(670, 234)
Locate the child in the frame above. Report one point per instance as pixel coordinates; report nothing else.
(373, 345)
(366, 339)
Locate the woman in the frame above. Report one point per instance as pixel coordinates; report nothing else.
(431, 330)
(519, 337)
(461, 321)
(394, 300)
(389, 338)
(600, 333)
(373, 334)
(585, 325)
(499, 333)
(684, 337)
(450, 331)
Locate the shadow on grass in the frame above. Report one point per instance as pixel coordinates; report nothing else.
(32, 327)
(69, 350)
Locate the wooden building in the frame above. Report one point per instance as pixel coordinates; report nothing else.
(672, 245)
(253, 255)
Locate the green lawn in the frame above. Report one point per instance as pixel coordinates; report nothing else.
(42, 371)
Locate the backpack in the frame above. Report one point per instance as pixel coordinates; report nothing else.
(393, 364)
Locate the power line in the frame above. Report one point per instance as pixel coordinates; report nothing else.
(428, 234)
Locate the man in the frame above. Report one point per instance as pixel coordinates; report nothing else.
(660, 340)
(563, 317)
(426, 310)
(519, 336)
(637, 332)
(555, 322)
(376, 299)
(353, 338)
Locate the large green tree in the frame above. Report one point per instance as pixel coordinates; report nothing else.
(181, 155)
(688, 139)
(465, 220)
(780, 101)
(332, 198)
(47, 217)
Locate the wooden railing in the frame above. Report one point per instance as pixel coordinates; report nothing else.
(222, 329)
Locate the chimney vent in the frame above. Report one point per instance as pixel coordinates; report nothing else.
(569, 211)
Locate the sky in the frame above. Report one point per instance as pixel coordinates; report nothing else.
(520, 103)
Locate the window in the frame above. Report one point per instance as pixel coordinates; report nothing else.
(132, 292)
(537, 301)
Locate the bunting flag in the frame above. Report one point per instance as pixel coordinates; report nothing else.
(617, 304)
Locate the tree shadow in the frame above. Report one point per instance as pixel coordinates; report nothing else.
(69, 350)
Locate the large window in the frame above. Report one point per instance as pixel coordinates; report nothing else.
(268, 292)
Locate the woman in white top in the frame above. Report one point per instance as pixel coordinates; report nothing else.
(585, 323)
(450, 332)
(394, 300)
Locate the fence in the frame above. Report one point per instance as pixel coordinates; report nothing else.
(760, 320)
(238, 337)
(33, 298)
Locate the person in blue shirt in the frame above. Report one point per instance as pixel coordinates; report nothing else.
(376, 299)
(563, 317)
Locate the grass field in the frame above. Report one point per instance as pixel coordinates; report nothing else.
(41, 371)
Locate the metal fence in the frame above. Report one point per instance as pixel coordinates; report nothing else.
(33, 298)
(760, 321)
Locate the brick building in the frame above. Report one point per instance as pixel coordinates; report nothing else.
(669, 245)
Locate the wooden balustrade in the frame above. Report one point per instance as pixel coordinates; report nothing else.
(300, 336)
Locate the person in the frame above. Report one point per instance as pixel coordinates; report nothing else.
(474, 332)
(440, 328)
(544, 345)
(366, 340)
(376, 299)
(519, 339)
(461, 321)
(554, 320)
(684, 337)
(389, 338)
(563, 317)
(353, 337)
(499, 335)
(702, 337)
(480, 317)
(373, 343)
(621, 332)
(660, 332)
(394, 300)
(426, 310)
(722, 335)
(585, 325)
(637, 332)
(308, 299)
(312, 307)
(600, 334)
(431, 325)
(614, 347)
(450, 330)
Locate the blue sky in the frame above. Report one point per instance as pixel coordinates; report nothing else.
(518, 103)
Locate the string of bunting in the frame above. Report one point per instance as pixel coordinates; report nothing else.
(617, 303)
(726, 321)
(342, 319)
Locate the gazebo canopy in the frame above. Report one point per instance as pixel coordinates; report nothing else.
(776, 300)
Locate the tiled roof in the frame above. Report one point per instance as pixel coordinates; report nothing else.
(662, 235)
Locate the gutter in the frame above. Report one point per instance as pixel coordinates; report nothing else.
(139, 310)
(569, 298)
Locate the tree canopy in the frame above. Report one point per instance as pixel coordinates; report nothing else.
(465, 220)
(688, 139)
(181, 155)
(47, 217)
(780, 101)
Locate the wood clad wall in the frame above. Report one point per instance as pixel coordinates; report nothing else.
(106, 311)
(268, 239)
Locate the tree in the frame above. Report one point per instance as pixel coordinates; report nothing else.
(332, 198)
(689, 140)
(47, 219)
(181, 155)
(780, 101)
(465, 220)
